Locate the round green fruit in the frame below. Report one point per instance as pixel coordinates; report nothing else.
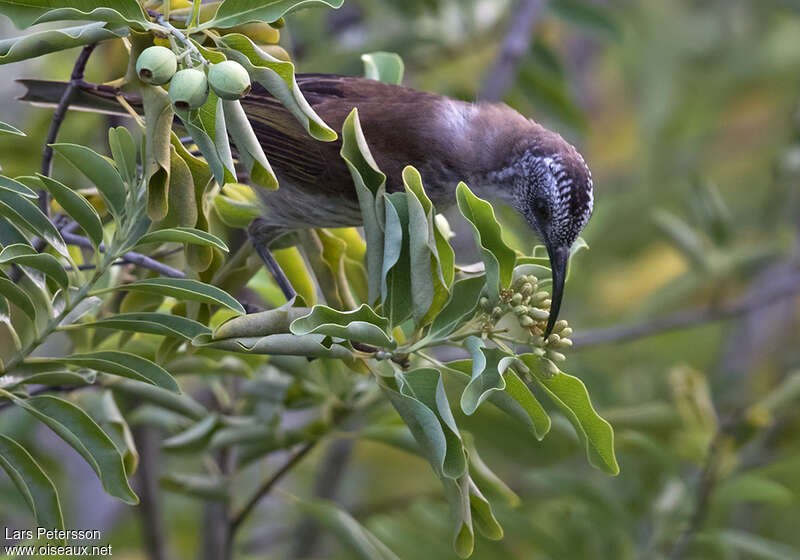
(229, 80)
(188, 89)
(156, 65)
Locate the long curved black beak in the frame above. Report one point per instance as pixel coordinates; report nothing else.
(559, 257)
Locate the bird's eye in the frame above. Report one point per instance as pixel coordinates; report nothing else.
(541, 210)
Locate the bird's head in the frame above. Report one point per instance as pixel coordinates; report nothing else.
(553, 191)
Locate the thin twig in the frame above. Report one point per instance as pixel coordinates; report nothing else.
(58, 118)
(689, 318)
(131, 256)
(238, 518)
(517, 42)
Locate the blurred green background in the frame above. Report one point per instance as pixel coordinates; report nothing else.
(687, 113)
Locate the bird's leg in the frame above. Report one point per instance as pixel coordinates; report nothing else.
(260, 236)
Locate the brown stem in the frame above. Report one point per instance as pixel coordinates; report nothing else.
(58, 118)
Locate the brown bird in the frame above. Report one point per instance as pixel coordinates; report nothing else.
(498, 152)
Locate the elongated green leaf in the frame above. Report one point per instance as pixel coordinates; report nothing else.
(17, 187)
(248, 148)
(310, 345)
(75, 427)
(25, 255)
(119, 363)
(32, 482)
(158, 115)
(6, 128)
(383, 66)
(459, 308)
(112, 12)
(397, 295)
(361, 325)
(488, 366)
(78, 208)
(23, 213)
(589, 16)
(419, 398)
(485, 476)
(205, 487)
(749, 544)
(162, 324)
(277, 77)
(195, 437)
(238, 12)
(52, 40)
(370, 187)
(99, 171)
(516, 401)
(497, 257)
(570, 395)
(18, 297)
(185, 289)
(184, 235)
(206, 126)
(350, 532)
(125, 152)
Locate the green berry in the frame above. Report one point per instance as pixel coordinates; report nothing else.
(188, 89)
(156, 65)
(229, 80)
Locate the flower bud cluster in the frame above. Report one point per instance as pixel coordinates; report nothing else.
(531, 306)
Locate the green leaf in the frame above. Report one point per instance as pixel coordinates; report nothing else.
(6, 128)
(361, 325)
(10, 184)
(25, 12)
(32, 482)
(749, 545)
(589, 16)
(754, 488)
(23, 213)
(25, 255)
(112, 12)
(99, 171)
(183, 235)
(570, 395)
(162, 324)
(75, 427)
(396, 291)
(184, 289)
(158, 117)
(205, 487)
(277, 77)
(232, 13)
(351, 533)
(485, 476)
(18, 297)
(458, 310)
(370, 186)
(419, 398)
(248, 148)
(488, 366)
(125, 153)
(118, 363)
(497, 257)
(78, 208)
(383, 66)
(52, 40)
(194, 437)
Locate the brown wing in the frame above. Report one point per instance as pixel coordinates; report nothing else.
(393, 119)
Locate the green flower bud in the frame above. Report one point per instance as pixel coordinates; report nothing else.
(188, 89)
(538, 352)
(526, 289)
(516, 299)
(546, 303)
(550, 368)
(560, 325)
(538, 341)
(538, 314)
(484, 302)
(521, 310)
(564, 343)
(497, 312)
(156, 65)
(566, 332)
(229, 80)
(526, 321)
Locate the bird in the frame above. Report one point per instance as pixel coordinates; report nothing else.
(501, 154)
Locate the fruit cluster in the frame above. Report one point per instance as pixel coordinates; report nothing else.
(531, 307)
(188, 88)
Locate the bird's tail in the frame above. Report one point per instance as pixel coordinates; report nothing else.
(95, 98)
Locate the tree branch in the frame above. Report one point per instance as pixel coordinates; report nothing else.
(690, 318)
(58, 118)
(132, 257)
(517, 42)
(238, 518)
